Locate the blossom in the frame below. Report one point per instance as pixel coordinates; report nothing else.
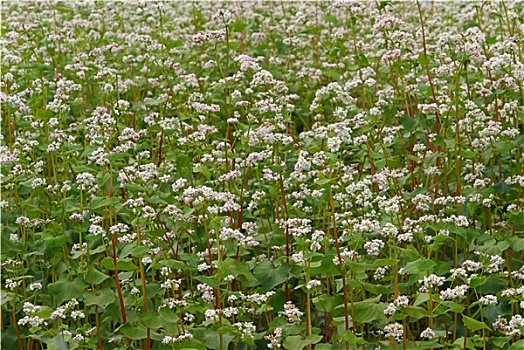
(428, 333)
(274, 339)
(394, 330)
(291, 312)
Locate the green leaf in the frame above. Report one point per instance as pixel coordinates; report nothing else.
(422, 59)
(168, 315)
(361, 60)
(477, 281)
(5, 297)
(500, 342)
(503, 146)
(55, 242)
(101, 202)
(212, 339)
(63, 290)
(416, 312)
(369, 310)
(154, 102)
(408, 123)
(8, 246)
(123, 264)
(385, 262)
(331, 19)
(126, 265)
(135, 188)
(204, 171)
(133, 332)
(116, 156)
(358, 267)
(107, 263)
(468, 154)
(420, 265)
(519, 345)
(324, 347)
(174, 264)
(492, 312)
(45, 312)
(269, 276)
(501, 187)
(139, 251)
(453, 307)
(421, 298)
(296, 342)
(474, 325)
(427, 345)
(151, 320)
(383, 4)
(58, 342)
(375, 288)
(313, 339)
(209, 280)
(351, 338)
(327, 302)
(460, 343)
(517, 244)
(323, 182)
(277, 168)
(102, 297)
(323, 266)
(192, 344)
(310, 30)
(240, 270)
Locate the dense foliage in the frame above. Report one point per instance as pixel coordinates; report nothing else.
(250, 175)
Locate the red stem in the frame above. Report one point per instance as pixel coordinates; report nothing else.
(432, 88)
(287, 232)
(117, 281)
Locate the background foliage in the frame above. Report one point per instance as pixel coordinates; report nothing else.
(191, 175)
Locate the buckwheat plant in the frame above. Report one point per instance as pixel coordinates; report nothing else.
(251, 175)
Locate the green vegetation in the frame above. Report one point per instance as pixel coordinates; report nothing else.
(254, 175)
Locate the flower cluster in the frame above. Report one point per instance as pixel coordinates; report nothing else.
(240, 174)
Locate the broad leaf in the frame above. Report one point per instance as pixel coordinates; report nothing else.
(102, 297)
(269, 276)
(64, 290)
(474, 325)
(296, 342)
(133, 332)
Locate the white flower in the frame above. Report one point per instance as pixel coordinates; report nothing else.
(489, 299)
(203, 267)
(428, 333)
(229, 278)
(274, 339)
(211, 315)
(373, 247)
(298, 258)
(313, 283)
(430, 282)
(453, 293)
(292, 313)
(35, 286)
(394, 330)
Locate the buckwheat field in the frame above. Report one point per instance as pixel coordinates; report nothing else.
(262, 175)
